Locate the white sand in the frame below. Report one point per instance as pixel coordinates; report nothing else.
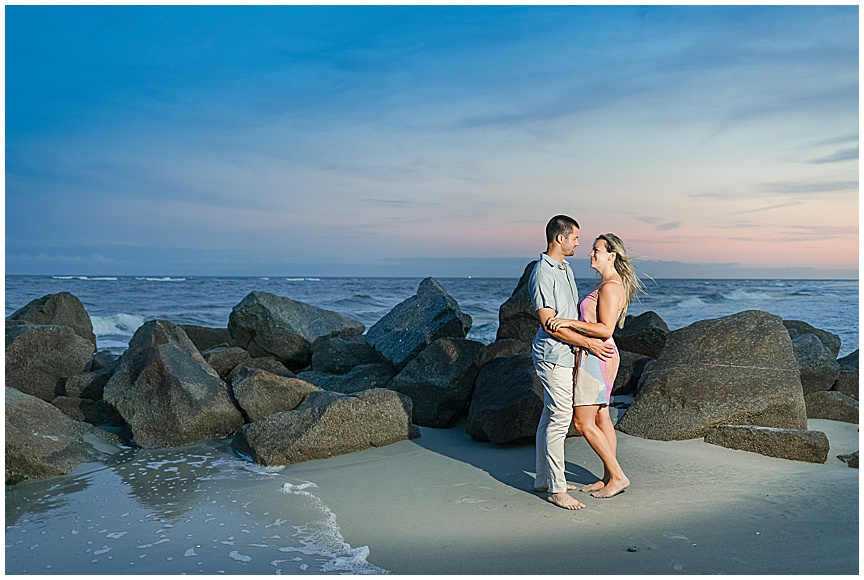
(445, 504)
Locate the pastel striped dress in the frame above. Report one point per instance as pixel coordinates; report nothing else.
(593, 378)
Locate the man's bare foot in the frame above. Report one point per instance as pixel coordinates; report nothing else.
(565, 501)
(570, 487)
(596, 486)
(612, 489)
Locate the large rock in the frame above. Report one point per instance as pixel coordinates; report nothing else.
(62, 309)
(831, 405)
(738, 370)
(90, 385)
(225, 359)
(39, 358)
(338, 356)
(416, 322)
(850, 361)
(89, 411)
(818, 365)
(505, 347)
(850, 459)
(517, 318)
(362, 378)
(41, 441)
(206, 337)
(794, 444)
(269, 325)
(507, 401)
(328, 424)
(644, 334)
(440, 380)
(267, 363)
(167, 392)
(629, 372)
(847, 383)
(797, 327)
(260, 393)
(847, 380)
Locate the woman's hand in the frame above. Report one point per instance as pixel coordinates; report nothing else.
(553, 324)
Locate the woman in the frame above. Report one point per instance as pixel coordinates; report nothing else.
(600, 311)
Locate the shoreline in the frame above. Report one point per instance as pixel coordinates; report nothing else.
(445, 504)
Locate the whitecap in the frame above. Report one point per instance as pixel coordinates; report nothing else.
(235, 555)
(116, 324)
(743, 296)
(692, 303)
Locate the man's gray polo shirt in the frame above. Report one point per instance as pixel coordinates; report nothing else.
(551, 285)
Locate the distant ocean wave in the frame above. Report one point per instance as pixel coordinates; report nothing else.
(302, 279)
(162, 279)
(109, 278)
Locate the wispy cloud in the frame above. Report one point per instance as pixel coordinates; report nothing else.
(843, 155)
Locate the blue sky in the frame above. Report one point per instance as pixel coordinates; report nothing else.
(404, 140)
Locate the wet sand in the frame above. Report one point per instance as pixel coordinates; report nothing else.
(443, 504)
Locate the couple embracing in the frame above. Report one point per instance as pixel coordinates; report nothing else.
(576, 358)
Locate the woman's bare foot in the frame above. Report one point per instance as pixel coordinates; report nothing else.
(565, 501)
(596, 486)
(611, 489)
(570, 487)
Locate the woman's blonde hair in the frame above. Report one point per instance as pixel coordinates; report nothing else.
(633, 286)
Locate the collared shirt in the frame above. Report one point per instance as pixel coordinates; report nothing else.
(551, 285)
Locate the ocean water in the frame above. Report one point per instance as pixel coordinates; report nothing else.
(119, 305)
(200, 509)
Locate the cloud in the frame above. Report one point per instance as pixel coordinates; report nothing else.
(843, 155)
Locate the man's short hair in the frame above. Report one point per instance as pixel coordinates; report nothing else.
(560, 224)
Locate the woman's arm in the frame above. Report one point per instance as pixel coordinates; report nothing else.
(610, 298)
(569, 336)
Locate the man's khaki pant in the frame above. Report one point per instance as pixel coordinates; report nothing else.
(554, 424)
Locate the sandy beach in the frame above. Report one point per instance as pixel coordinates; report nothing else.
(442, 504)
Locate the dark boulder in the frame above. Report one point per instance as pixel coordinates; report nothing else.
(63, 309)
(831, 405)
(738, 370)
(267, 363)
(89, 411)
(269, 325)
(39, 358)
(847, 383)
(847, 380)
(167, 392)
(362, 378)
(104, 359)
(416, 322)
(41, 441)
(505, 347)
(797, 327)
(517, 318)
(328, 424)
(644, 334)
(206, 337)
(819, 367)
(850, 459)
(90, 385)
(629, 372)
(259, 393)
(850, 361)
(225, 359)
(507, 401)
(440, 380)
(794, 444)
(338, 355)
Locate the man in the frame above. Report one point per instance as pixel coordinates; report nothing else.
(554, 294)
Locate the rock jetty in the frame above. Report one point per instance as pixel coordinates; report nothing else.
(289, 382)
